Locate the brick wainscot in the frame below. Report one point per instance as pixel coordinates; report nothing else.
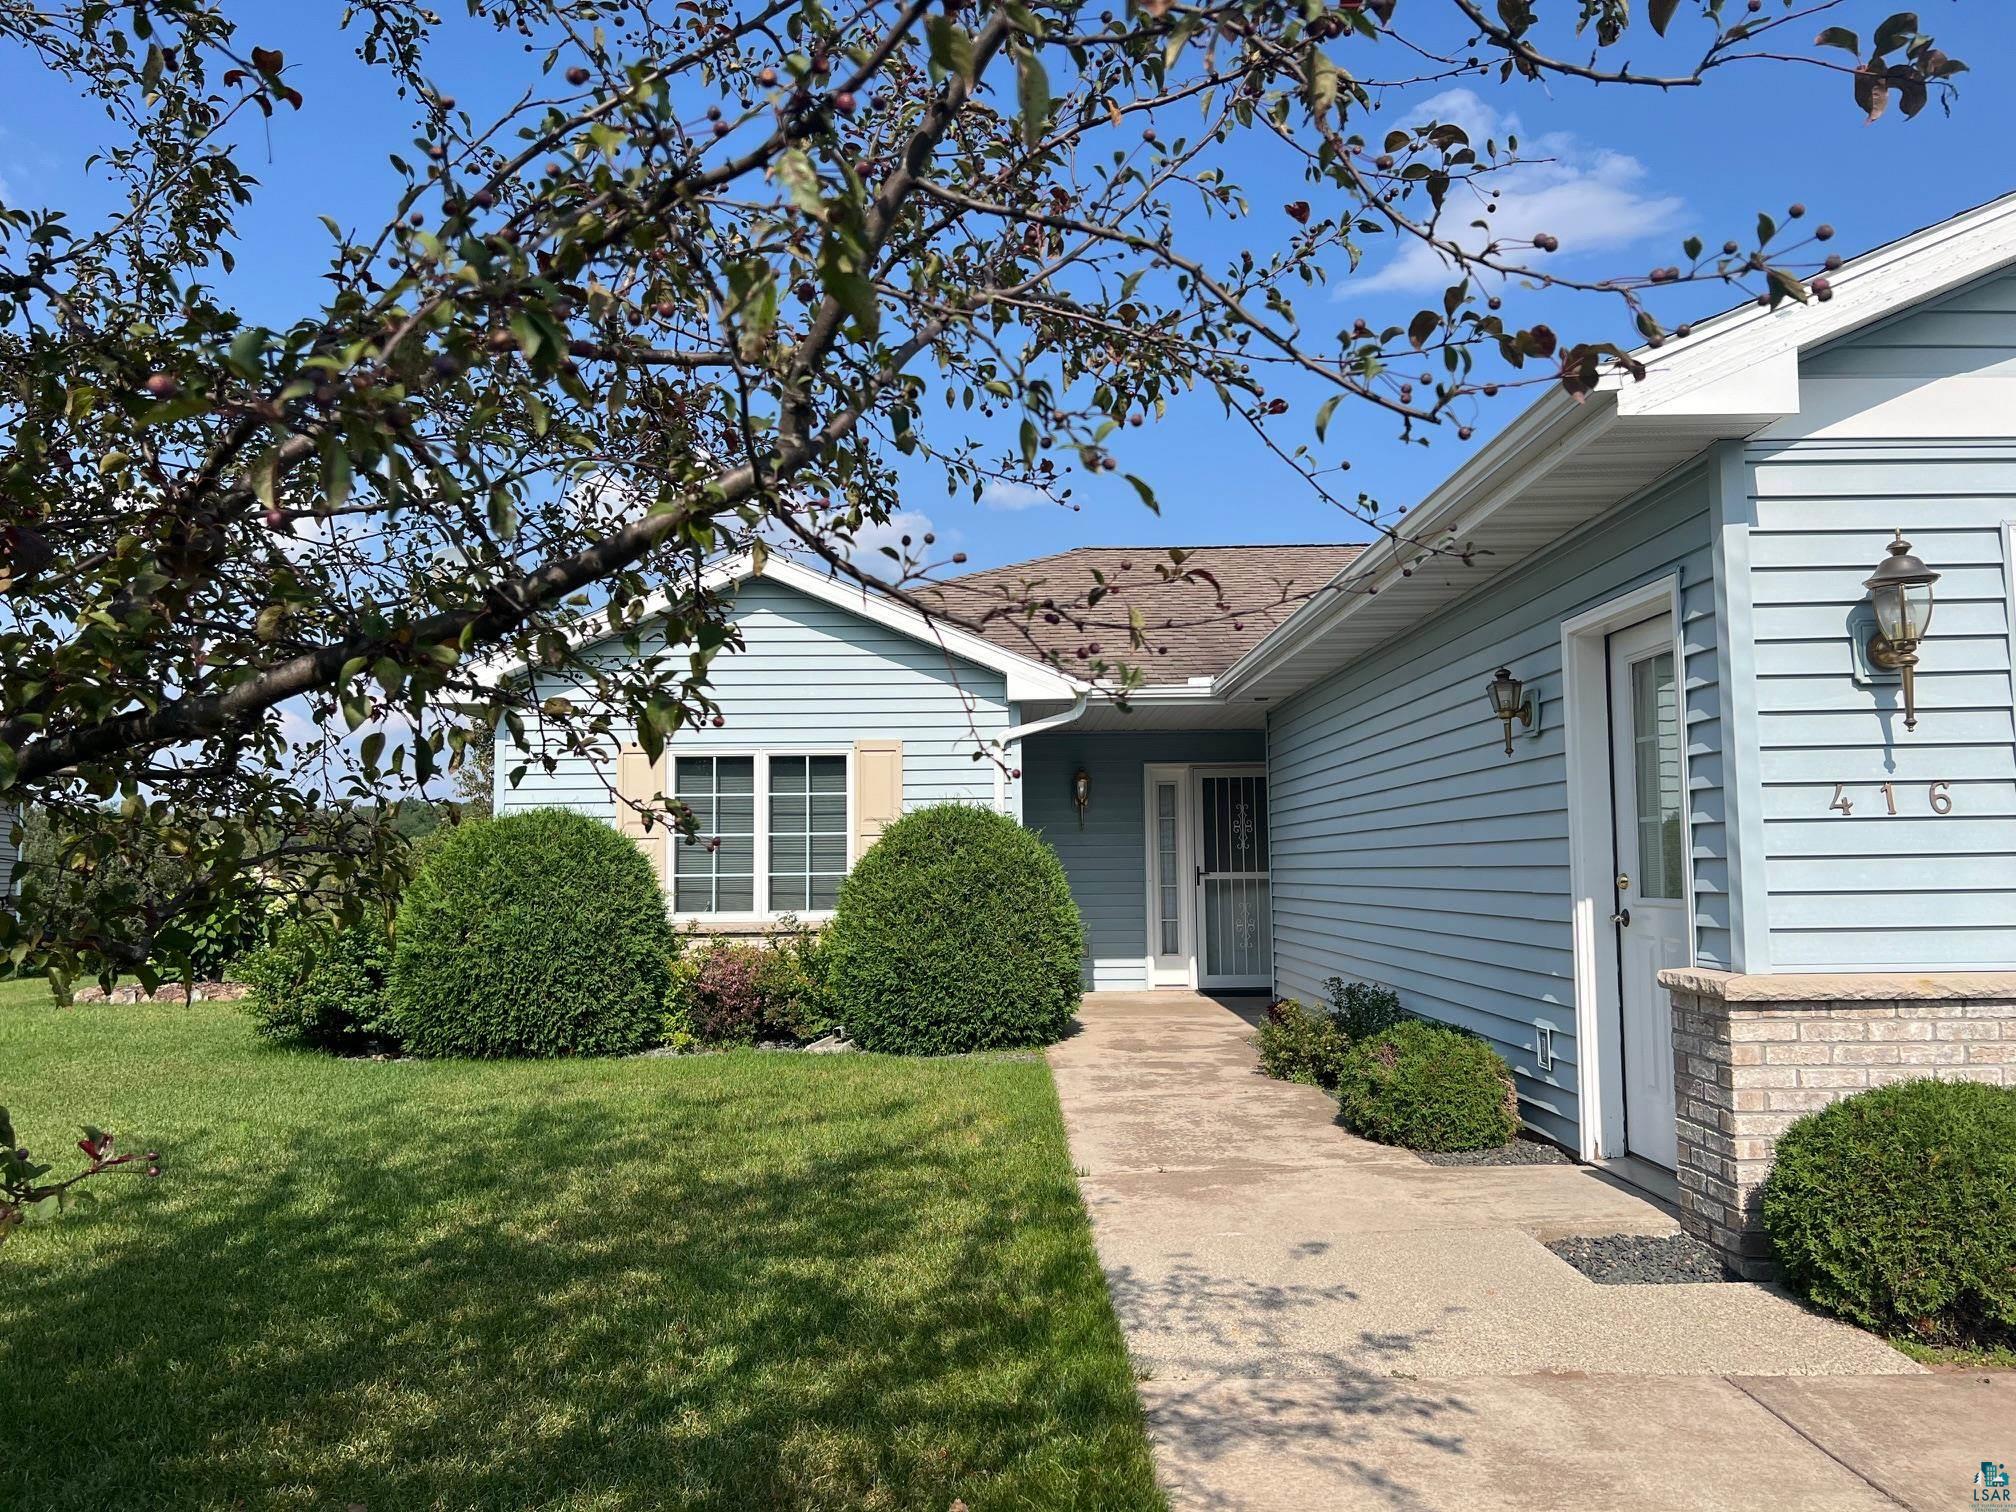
(1752, 1053)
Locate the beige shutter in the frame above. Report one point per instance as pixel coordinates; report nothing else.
(878, 790)
(638, 780)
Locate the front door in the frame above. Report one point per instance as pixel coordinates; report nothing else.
(1650, 829)
(1235, 922)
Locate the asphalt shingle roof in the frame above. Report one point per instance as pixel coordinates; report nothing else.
(1190, 634)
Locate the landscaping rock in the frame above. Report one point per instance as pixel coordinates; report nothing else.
(1519, 1152)
(835, 1043)
(1642, 1259)
(171, 992)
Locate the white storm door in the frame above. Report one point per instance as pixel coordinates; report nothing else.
(1650, 826)
(1235, 919)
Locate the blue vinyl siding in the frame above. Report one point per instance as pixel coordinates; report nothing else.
(1107, 860)
(811, 675)
(1868, 890)
(1409, 850)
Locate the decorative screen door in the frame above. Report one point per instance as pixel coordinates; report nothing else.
(1235, 922)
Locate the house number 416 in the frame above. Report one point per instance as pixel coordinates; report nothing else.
(1938, 798)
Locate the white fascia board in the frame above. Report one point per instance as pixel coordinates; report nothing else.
(1717, 364)
(1742, 365)
(1026, 679)
(1534, 444)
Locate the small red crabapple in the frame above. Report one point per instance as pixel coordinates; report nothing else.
(162, 385)
(577, 76)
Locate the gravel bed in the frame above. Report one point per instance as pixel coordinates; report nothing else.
(1642, 1259)
(1519, 1152)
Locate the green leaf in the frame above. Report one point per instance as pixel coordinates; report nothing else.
(1147, 493)
(1841, 37)
(1784, 286)
(1895, 32)
(503, 515)
(1660, 13)
(1692, 247)
(800, 179)
(356, 710)
(335, 471)
(1766, 228)
(372, 749)
(10, 766)
(1323, 415)
(1421, 327)
(1319, 82)
(1032, 88)
(951, 47)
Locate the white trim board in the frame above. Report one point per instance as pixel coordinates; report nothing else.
(1027, 681)
(1586, 739)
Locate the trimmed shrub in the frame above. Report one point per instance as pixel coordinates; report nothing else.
(1299, 1044)
(955, 932)
(1428, 1087)
(739, 992)
(539, 934)
(725, 1001)
(1362, 1008)
(321, 987)
(1896, 1208)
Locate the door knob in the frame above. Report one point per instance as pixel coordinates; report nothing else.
(1623, 881)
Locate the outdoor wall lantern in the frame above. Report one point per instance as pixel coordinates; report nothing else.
(1900, 593)
(1081, 793)
(1510, 701)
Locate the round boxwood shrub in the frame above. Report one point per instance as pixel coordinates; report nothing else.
(538, 934)
(956, 931)
(1896, 1208)
(323, 987)
(1428, 1087)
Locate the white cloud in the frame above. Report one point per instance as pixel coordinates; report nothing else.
(872, 537)
(1592, 198)
(1002, 494)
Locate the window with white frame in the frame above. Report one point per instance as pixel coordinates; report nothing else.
(772, 832)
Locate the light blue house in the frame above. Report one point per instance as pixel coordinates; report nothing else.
(1711, 774)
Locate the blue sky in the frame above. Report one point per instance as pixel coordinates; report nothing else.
(1631, 173)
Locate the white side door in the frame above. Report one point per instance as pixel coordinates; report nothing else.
(1650, 826)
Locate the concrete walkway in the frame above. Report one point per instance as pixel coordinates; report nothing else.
(1325, 1322)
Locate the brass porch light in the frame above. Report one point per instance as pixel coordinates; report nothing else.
(1900, 592)
(1081, 793)
(1510, 701)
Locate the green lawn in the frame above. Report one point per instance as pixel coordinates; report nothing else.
(739, 1281)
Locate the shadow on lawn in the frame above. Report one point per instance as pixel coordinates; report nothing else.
(621, 1299)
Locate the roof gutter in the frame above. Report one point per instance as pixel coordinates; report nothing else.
(1016, 734)
(1476, 490)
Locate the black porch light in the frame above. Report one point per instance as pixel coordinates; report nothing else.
(1509, 702)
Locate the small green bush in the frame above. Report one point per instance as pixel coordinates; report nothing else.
(538, 934)
(955, 932)
(1362, 1008)
(1428, 1087)
(1896, 1208)
(729, 992)
(323, 987)
(1300, 1045)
